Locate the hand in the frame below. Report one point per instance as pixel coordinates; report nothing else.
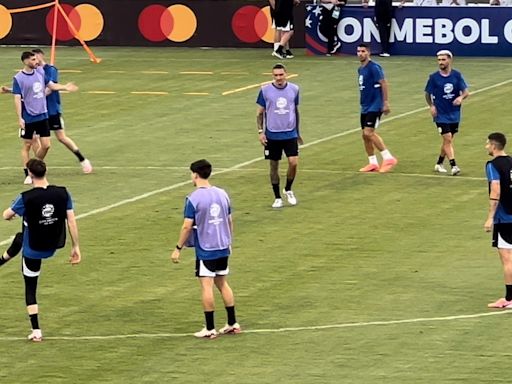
(21, 122)
(457, 101)
(4, 89)
(263, 139)
(300, 140)
(433, 110)
(386, 109)
(488, 225)
(71, 87)
(175, 256)
(76, 257)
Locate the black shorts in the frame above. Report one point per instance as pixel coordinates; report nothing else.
(370, 119)
(30, 267)
(40, 128)
(212, 268)
(283, 15)
(444, 128)
(56, 122)
(502, 235)
(274, 149)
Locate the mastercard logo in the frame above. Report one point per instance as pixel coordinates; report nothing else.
(176, 23)
(5, 21)
(86, 19)
(251, 24)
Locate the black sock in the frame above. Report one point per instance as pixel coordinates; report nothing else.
(280, 48)
(508, 295)
(4, 260)
(79, 155)
(288, 186)
(13, 249)
(34, 321)
(440, 160)
(277, 192)
(210, 323)
(453, 163)
(26, 171)
(231, 315)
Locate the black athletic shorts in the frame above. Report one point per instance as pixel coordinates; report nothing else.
(40, 128)
(274, 149)
(444, 128)
(56, 123)
(212, 268)
(370, 119)
(502, 235)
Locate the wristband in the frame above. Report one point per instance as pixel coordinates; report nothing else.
(178, 247)
(260, 131)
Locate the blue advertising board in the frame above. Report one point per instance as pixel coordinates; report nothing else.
(420, 31)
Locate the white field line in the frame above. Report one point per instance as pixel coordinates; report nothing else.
(276, 330)
(240, 165)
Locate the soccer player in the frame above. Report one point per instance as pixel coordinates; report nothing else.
(444, 93)
(45, 210)
(209, 225)
(55, 110)
(29, 87)
(374, 102)
(284, 26)
(278, 109)
(499, 218)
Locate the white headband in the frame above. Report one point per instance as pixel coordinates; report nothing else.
(444, 52)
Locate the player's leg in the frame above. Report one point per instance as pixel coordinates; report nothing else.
(229, 300)
(31, 269)
(273, 152)
(206, 275)
(13, 249)
(447, 132)
(291, 150)
(502, 240)
(42, 129)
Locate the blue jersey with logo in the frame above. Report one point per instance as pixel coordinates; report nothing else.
(370, 88)
(19, 208)
(501, 216)
(444, 90)
(31, 87)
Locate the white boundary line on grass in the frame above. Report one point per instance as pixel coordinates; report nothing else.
(240, 165)
(274, 330)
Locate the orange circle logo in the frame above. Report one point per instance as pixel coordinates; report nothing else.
(87, 22)
(5, 21)
(177, 23)
(251, 24)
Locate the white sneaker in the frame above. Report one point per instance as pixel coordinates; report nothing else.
(455, 170)
(234, 329)
(384, 54)
(440, 168)
(86, 166)
(206, 334)
(28, 180)
(36, 336)
(290, 197)
(278, 203)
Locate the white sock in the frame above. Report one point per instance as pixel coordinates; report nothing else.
(373, 160)
(386, 155)
(276, 45)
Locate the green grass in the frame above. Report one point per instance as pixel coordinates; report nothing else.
(358, 249)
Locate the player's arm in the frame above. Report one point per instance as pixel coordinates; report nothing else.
(70, 87)
(9, 214)
(385, 95)
(76, 256)
(463, 95)
(494, 199)
(5, 89)
(272, 3)
(17, 107)
(186, 229)
(260, 117)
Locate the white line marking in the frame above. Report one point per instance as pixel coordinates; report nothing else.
(275, 330)
(240, 165)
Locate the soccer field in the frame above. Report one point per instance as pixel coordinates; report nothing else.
(371, 278)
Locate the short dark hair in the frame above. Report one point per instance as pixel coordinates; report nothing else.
(363, 45)
(26, 55)
(38, 50)
(498, 139)
(37, 168)
(279, 66)
(202, 167)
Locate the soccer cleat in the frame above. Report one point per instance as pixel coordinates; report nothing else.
(86, 166)
(500, 303)
(292, 200)
(279, 54)
(384, 54)
(36, 336)
(230, 329)
(455, 170)
(370, 168)
(387, 165)
(289, 54)
(206, 334)
(336, 47)
(278, 203)
(440, 168)
(28, 180)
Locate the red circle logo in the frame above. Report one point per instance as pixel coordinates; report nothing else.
(86, 19)
(251, 24)
(176, 23)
